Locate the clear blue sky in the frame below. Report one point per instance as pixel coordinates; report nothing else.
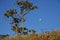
(46, 17)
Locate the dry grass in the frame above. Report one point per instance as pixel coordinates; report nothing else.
(54, 35)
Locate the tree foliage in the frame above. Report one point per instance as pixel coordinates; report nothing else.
(17, 20)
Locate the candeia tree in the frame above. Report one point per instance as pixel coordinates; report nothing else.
(17, 18)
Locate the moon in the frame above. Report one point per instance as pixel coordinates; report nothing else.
(40, 19)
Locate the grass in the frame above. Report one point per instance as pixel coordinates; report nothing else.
(54, 35)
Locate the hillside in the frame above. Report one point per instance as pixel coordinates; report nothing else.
(54, 35)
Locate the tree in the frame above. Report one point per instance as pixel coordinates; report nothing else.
(33, 31)
(25, 6)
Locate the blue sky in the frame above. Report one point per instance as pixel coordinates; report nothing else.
(46, 17)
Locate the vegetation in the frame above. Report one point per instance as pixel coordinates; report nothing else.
(19, 18)
(22, 33)
(54, 35)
